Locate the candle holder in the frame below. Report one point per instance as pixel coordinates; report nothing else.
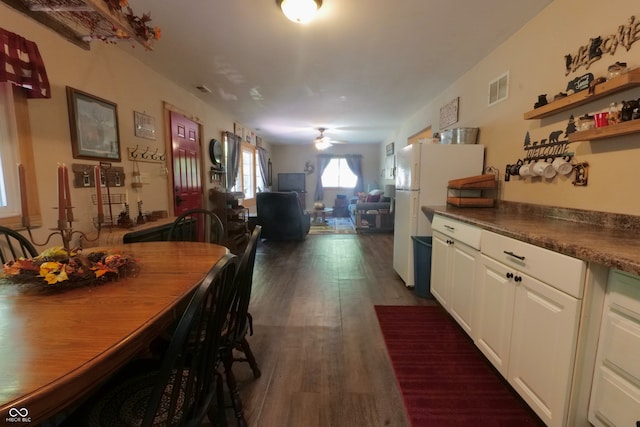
(66, 232)
(65, 214)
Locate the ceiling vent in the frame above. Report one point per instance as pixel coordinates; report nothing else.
(203, 89)
(499, 89)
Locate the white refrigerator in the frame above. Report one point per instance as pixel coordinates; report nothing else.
(422, 174)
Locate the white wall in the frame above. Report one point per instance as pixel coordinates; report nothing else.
(108, 72)
(534, 57)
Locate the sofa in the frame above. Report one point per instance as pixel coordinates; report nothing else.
(374, 201)
(281, 216)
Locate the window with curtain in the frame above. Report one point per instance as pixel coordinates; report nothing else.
(22, 76)
(15, 147)
(9, 156)
(338, 174)
(248, 178)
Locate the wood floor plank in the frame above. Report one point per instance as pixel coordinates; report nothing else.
(317, 339)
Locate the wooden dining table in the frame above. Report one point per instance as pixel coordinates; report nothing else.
(58, 347)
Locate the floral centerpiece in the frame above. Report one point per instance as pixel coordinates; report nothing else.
(55, 267)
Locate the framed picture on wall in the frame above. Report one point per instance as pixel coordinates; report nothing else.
(389, 148)
(93, 123)
(144, 125)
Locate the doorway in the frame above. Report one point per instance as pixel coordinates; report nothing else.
(186, 161)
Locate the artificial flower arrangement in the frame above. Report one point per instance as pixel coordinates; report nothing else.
(55, 267)
(140, 24)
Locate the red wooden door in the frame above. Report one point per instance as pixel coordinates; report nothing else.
(187, 188)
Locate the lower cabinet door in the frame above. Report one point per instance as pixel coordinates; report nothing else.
(494, 312)
(615, 396)
(462, 284)
(440, 268)
(543, 346)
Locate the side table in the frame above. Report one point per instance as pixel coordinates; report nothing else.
(323, 215)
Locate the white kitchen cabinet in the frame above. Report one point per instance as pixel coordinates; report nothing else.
(615, 397)
(528, 302)
(455, 249)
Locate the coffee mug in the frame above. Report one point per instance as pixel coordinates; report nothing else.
(515, 169)
(544, 169)
(562, 166)
(525, 170)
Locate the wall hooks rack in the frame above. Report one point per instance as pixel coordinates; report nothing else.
(145, 154)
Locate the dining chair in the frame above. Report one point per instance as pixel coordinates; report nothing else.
(185, 386)
(241, 324)
(14, 245)
(197, 225)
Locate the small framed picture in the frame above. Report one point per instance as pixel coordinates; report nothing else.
(144, 125)
(93, 123)
(389, 148)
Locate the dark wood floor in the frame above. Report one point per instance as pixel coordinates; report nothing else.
(317, 339)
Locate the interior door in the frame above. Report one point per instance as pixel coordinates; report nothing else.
(186, 158)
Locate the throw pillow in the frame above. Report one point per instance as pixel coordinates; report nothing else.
(371, 198)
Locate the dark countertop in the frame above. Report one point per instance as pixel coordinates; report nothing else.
(609, 239)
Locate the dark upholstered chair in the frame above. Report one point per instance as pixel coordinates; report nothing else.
(281, 216)
(14, 245)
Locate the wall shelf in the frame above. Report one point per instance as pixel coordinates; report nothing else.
(617, 84)
(72, 19)
(624, 128)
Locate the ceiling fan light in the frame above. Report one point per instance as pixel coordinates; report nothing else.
(300, 11)
(322, 145)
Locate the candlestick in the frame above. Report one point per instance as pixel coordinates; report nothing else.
(98, 180)
(23, 196)
(61, 203)
(67, 193)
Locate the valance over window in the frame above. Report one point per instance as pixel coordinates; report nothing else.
(22, 65)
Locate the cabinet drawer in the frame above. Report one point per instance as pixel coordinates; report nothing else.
(460, 231)
(563, 272)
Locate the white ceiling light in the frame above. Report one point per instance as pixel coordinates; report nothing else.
(299, 11)
(322, 142)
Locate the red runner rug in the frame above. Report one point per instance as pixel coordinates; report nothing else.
(445, 380)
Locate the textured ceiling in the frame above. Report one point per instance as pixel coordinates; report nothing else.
(359, 69)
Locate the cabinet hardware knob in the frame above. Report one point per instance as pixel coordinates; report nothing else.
(521, 258)
(518, 279)
(509, 275)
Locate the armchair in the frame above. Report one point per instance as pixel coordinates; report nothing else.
(281, 216)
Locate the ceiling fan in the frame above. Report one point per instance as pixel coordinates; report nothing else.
(323, 142)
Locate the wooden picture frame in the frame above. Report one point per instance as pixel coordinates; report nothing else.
(93, 123)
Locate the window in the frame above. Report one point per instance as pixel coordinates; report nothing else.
(9, 156)
(15, 147)
(248, 176)
(337, 174)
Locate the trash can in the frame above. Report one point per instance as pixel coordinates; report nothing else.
(422, 265)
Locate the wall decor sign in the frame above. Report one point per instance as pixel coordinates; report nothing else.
(389, 148)
(144, 125)
(625, 36)
(93, 123)
(449, 113)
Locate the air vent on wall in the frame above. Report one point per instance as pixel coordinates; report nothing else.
(499, 89)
